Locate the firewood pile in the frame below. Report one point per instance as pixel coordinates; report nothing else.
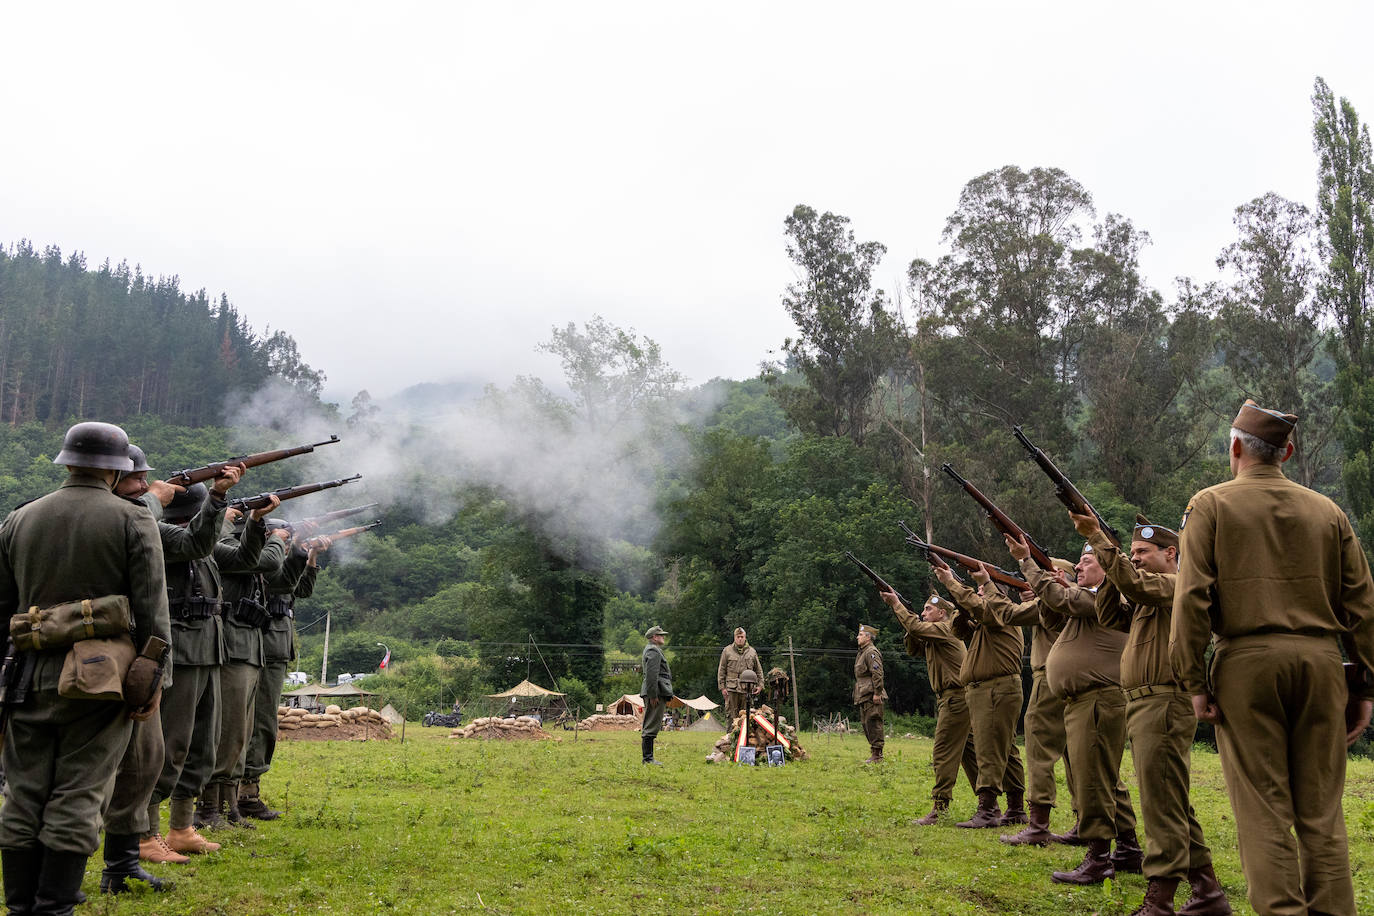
(759, 735)
(521, 728)
(609, 722)
(334, 724)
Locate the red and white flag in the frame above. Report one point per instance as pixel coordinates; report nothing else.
(385, 661)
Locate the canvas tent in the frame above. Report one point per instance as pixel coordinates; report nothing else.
(528, 698)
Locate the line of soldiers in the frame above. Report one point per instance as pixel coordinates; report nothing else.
(217, 586)
(1263, 569)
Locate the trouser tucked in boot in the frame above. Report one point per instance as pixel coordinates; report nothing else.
(647, 745)
(988, 814)
(207, 811)
(251, 804)
(227, 804)
(121, 865)
(20, 868)
(933, 818)
(59, 883)
(1128, 857)
(1095, 868)
(1159, 898)
(1016, 810)
(1208, 899)
(1037, 832)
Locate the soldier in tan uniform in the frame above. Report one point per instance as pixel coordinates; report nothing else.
(932, 634)
(991, 675)
(869, 694)
(1138, 598)
(1276, 572)
(1084, 669)
(735, 658)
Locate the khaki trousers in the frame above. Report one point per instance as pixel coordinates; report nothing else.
(1161, 727)
(1045, 743)
(1096, 726)
(126, 810)
(993, 706)
(953, 745)
(1282, 743)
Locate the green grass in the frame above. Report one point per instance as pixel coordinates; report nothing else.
(440, 826)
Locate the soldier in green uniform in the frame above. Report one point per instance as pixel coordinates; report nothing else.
(735, 658)
(1084, 669)
(1276, 572)
(1138, 598)
(656, 690)
(869, 694)
(991, 674)
(244, 612)
(79, 542)
(296, 579)
(931, 634)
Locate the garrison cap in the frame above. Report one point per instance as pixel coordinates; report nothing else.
(1158, 535)
(865, 628)
(1064, 566)
(655, 631)
(739, 631)
(1268, 425)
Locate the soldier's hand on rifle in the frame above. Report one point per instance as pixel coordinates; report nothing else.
(273, 501)
(890, 598)
(229, 475)
(982, 575)
(1085, 525)
(164, 491)
(317, 546)
(1018, 547)
(1062, 578)
(945, 575)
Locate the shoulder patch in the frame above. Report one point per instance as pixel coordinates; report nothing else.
(1186, 512)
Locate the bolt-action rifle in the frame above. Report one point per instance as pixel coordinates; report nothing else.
(878, 580)
(250, 503)
(1001, 521)
(345, 533)
(934, 559)
(998, 574)
(1064, 489)
(206, 472)
(334, 516)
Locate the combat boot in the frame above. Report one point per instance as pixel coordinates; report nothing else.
(20, 868)
(121, 866)
(187, 841)
(1095, 868)
(227, 803)
(1016, 810)
(647, 745)
(1037, 832)
(251, 804)
(933, 818)
(1159, 898)
(1128, 858)
(987, 815)
(875, 755)
(1208, 898)
(59, 883)
(208, 814)
(1070, 837)
(155, 849)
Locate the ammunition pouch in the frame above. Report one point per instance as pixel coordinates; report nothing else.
(94, 669)
(197, 607)
(278, 608)
(62, 625)
(250, 613)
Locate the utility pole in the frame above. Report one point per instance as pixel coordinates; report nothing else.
(324, 662)
(792, 663)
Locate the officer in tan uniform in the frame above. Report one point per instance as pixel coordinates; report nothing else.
(1084, 669)
(735, 658)
(1138, 598)
(869, 694)
(932, 634)
(991, 675)
(1276, 572)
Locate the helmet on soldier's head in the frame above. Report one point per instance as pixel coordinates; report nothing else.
(95, 445)
(184, 506)
(139, 458)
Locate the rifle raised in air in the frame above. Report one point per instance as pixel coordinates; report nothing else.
(878, 580)
(185, 478)
(1001, 521)
(250, 503)
(935, 551)
(334, 516)
(345, 533)
(1064, 489)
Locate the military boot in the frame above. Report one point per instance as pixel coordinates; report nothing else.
(154, 848)
(121, 866)
(1016, 810)
(1128, 858)
(208, 814)
(1159, 898)
(1095, 868)
(988, 814)
(933, 818)
(251, 805)
(1037, 832)
(875, 755)
(1208, 898)
(647, 745)
(227, 804)
(20, 868)
(1070, 837)
(59, 883)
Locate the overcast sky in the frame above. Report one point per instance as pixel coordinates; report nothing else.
(418, 192)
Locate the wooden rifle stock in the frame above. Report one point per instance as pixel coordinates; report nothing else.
(878, 580)
(250, 503)
(998, 574)
(1064, 490)
(206, 472)
(334, 516)
(1001, 521)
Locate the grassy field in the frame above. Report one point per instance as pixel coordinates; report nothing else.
(449, 826)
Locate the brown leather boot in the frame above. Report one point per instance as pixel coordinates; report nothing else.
(1016, 810)
(1095, 868)
(187, 841)
(1037, 832)
(251, 804)
(155, 849)
(1069, 838)
(1128, 858)
(933, 818)
(1208, 898)
(987, 815)
(875, 756)
(1159, 898)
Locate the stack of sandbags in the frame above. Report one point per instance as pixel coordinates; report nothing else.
(523, 728)
(341, 723)
(605, 722)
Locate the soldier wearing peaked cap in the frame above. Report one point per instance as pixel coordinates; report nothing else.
(869, 694)
(656, 690)
(1276, 572)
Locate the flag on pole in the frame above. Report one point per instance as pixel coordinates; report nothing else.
(386, 660)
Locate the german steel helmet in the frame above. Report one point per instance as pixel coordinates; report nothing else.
(185, 505)
(95, 445)
(139, 458)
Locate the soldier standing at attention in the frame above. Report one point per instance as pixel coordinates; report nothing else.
(1138, 598)
(656, 690)
(1276, 572)
(869, 694)
(80, 542)
(737, 657)
(992, 686)
(944, 653)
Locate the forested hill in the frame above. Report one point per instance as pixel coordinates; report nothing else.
(112, 343)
